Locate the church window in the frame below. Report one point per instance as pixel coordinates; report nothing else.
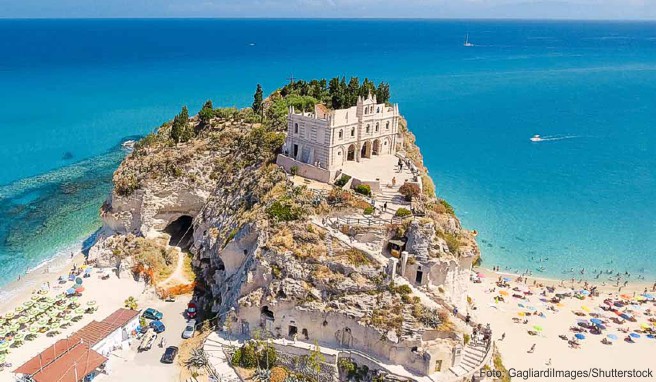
(296, 128)
(353, 131)
(387, 125)
(341, 134)
(376, 127)
(367, 129)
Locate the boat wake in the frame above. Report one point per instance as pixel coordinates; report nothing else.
(551, 138)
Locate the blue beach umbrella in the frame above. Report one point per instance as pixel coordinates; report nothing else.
(625, 316)
(612, 337)
(70, 291)
(634, 335)
(580, 336)
(507, 279)
(584, 292)
(648, 295)
(596, 321)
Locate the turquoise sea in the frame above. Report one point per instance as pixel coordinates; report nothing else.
(72, 90)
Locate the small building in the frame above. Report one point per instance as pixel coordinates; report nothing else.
(318, 144)
(110, 333)
(68, 360)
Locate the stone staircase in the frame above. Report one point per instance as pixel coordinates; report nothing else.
(471, 359)
(329, 245)
(218, 359)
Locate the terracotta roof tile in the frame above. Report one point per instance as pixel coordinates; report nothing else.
(121, 317)
(65, 361)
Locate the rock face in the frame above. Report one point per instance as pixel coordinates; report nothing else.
(262, 264)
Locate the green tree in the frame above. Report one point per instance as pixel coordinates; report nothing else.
(206, 113)
(383, 92)
(180, 130)
(352, 92)
(315, 359)
(367, 88)
(257, 100)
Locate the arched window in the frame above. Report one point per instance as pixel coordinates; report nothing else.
(296, 128)
(387, 126)
(376, 127)
(341, 134)
(353, 131)
(367, 129)
(378, 110)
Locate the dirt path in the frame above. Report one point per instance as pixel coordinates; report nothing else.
(177, 277)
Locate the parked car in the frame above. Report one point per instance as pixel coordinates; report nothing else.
(152, 314)
(192, 310)
(189, 329)
(157, 326)
(169, 354)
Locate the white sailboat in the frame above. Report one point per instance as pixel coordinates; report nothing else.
(467, 43)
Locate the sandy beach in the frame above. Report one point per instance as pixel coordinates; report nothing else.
(511, 318)
(108, 295)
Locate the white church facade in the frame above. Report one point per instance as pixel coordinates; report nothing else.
(318, 144)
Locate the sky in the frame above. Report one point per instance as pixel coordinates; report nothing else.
(523, 9)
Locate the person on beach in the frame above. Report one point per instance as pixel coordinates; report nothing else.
(532, 349)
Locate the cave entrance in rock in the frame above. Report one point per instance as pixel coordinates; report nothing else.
(181, 231)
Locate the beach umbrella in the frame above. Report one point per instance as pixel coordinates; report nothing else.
(91, 303)
(35, 297)
(14, 327)
(3, 357)
(19, 308)
(538, 328)
(584, 292)
(28, 303)
(531, 308)
(521, 314)
(43, 321)
(35, 329)
(23, 320)
(480, 275)
(649, 296)
(506, 279)
(580, 336)
(626, 296)
(79, 311)
(645, 325)
(626, 316)
(585, 308)
(5, 346)
(3, 332)
(612, 337)
(79, 289)
(70, 291)
(634, 335)
(78, 281)
(596, 321)
(19, 336)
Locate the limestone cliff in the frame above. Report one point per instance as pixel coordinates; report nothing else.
(260, 245)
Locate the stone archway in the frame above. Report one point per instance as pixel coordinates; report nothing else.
(365, 151)
(376, 147)
(351, 153)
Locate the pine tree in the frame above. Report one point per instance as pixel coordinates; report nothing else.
(352, 92)
(257, 100)
(206, 113)
(383, 92)
(180, 131)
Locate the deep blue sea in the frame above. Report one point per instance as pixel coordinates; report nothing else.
(72, 90)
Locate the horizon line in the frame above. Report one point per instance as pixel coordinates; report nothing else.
(648, 20)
